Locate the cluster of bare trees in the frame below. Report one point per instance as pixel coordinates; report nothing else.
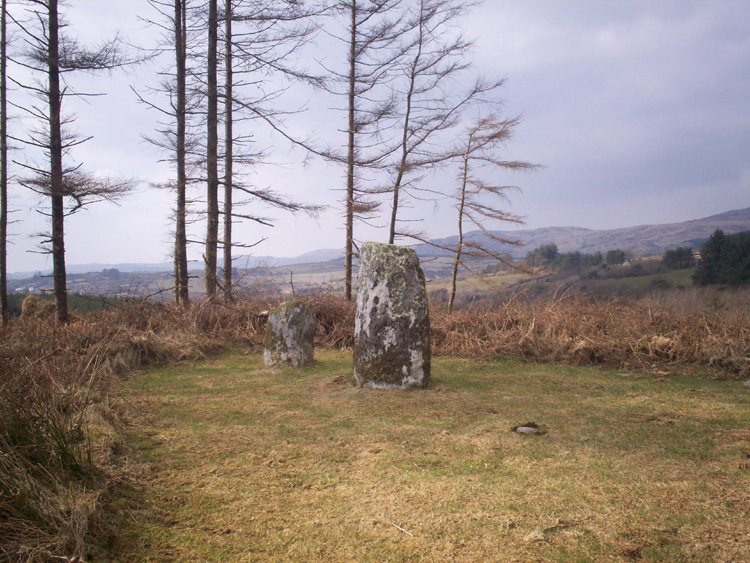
(410, 111)
(228, 64)
(403, 89)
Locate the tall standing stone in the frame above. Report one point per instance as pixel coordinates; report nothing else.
(392, 325)
(290, 331)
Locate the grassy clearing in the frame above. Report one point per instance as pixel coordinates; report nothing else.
(254, 464)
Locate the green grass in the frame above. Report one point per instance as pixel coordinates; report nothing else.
(254, 464)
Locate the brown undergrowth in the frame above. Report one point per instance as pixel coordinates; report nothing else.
(60, 439)
(703, 331)
(60, 445)
(58, 429)
(645, 335)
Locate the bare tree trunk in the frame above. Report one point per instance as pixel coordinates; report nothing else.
(181, 267)
(459, 245)
(485, 140)
(4, 170)
(176, 272)
(404, 141)
(228, 152)
(56, 168)
(212, 141)
(349, 249)
(405, 135)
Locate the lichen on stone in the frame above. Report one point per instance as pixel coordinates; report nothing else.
(290, 331)
(392, 326)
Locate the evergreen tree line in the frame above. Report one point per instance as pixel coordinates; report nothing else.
(725, 260)
(548, 255)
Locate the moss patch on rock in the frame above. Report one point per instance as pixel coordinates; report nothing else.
(392, 324)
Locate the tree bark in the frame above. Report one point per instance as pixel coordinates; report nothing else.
(181, 267)
(228, 152)
(349, 249)
(56, 168)
(212, 141)
(459, 245)
(3, 169)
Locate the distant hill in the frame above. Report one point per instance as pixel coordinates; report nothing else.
(243, 262)
(98, 267)
(644, 240)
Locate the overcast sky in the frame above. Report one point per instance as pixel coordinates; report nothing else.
(639, 112)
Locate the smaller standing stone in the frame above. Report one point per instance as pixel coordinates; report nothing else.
(290, 330)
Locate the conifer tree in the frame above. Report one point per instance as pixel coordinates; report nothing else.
(54, 55)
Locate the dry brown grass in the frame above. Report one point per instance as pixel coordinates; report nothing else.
(60, 441)
(274, 465)
(699, 330)
(646, 335)
(60, 436)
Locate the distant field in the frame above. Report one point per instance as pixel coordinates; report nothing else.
(676, 278)
(485, 282)
(253, 464)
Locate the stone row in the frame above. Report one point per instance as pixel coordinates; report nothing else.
(392, 324)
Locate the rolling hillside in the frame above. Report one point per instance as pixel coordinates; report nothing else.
(326, 266)
(644, 240)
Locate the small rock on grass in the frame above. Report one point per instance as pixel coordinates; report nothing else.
(529, 428)
(534, 537)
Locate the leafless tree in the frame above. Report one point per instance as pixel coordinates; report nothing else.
(175, 131)
(260, 39)
(3, 165)
(182, 278)
(55, 56)
(482, 149)
(228, 144)
(432, 104)
(375, 29)
(212, 157)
